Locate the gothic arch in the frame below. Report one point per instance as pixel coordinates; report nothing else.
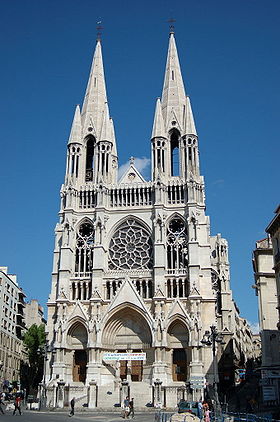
(123, 219)
(178, 333)
(127, 328)
(175, 215)
(77, 334)
(81, 221)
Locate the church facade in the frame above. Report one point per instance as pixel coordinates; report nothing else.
(135, 269)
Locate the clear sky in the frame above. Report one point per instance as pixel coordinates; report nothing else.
(229, 54)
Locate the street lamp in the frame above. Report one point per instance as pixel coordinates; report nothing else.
(212, 338)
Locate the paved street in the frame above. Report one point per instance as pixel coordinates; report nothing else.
(33, 416)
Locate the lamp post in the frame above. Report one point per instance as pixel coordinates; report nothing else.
(212, 338)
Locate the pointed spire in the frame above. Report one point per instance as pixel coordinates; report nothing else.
(158, 126)
(95, 97)
(189, 123)
(76, 129)
(173, 93)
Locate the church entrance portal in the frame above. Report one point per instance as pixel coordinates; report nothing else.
(179, 365)
(133, 367)
(79, 365)
(178, 339)
(128, 331)
(77, 340)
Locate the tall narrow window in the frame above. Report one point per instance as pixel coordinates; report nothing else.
(89, 159)
(177, 246)
(174, 141)
(84, 250)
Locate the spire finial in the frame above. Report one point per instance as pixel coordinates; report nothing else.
(98, 29)
(171, 21)
(132, 160)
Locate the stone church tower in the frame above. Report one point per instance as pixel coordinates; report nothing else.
(135, 269)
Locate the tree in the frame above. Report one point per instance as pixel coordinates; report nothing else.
(33, 370)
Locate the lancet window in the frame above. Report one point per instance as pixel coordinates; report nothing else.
(73, 161)
(89, 158)
(190, 153)
(159, 154)
(174, 143)
(84, 250)
(177, 246)
(130, 247)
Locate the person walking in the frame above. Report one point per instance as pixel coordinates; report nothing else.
(17, 404)
(200, 409)
(131, 408)
(72, 405)
(126, 408)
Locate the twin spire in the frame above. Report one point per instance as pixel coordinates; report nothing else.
(94, 118)
(174, 108)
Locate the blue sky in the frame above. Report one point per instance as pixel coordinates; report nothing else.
(229, 54)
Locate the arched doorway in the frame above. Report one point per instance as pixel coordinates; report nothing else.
(178, 342)
(77, 340)
(128, 331)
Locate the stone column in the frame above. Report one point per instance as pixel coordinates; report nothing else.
(60, 394)
(92, 394)
(158, 393)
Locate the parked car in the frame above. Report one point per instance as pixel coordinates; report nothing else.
(188, 406)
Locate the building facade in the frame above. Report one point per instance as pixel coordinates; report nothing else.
(12, 328)
(266, 263)
(135, 268)
(34, 313)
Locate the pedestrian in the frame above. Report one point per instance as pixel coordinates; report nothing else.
(125, 408)
(131, 408)
(72, 405)
(17, 405)
(207, 414)
(200, 409)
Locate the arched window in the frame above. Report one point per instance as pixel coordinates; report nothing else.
(89, 158)
(174, 143)
(177, 246)
(130, 247)
(84, 250)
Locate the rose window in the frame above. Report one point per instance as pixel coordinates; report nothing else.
(130, 247)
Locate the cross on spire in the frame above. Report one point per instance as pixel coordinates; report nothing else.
(99, 30)
(171, 21)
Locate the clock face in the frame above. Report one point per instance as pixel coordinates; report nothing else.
(86, 229)
(131, 176)
(176, 226)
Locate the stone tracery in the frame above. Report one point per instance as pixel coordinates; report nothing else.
(130, 247)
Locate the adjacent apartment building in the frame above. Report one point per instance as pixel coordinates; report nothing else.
(12, 304)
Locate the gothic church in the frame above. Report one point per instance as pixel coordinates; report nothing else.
(135, 269)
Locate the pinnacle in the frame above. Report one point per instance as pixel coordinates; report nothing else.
(75, 134)
(158, 126)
